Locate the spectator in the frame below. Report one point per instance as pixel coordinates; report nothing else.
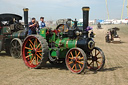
(32, 26)
(41, 24)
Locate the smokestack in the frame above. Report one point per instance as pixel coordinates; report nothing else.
(26, 17)
(85, 17)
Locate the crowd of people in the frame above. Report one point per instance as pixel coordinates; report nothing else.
(34, 26)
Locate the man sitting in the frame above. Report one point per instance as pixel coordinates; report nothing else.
(32, 26)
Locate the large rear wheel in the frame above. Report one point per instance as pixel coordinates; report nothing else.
(76, 60)
(35, 51)
(96, 59)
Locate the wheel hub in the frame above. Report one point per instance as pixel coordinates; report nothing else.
(75, 60)
(33, 51)
(94, 58)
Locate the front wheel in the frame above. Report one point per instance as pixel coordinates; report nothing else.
(76, 60)
(96, 59)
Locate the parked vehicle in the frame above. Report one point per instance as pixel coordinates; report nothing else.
(112, 36)
(12, 34)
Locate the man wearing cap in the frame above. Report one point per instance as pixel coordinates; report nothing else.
(32, 26)
(41, 24)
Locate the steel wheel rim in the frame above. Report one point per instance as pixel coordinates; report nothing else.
(95, 60)
(32, 52)
(15, 48)
(75, 63)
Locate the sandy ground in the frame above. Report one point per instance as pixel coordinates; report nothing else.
(14, 72)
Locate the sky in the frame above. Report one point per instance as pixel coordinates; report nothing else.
(59, 9)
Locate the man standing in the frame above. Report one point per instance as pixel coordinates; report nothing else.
(32, 26)
(41, 24)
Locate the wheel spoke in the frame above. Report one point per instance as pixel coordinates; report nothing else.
(28, 52)
(73, 66)
(93, 64)
(32, 60)
(38, 56)
(31, 46)
(38, 46)
(90, 63)
(70, 62)
(70, 58)
(80, 66)
(31, 42)
(39, 51)
(15, 43)
(77, 54)
(98, 62)
(28, 56)
(80, 62)
(35, 43)
(28, 48)
(81, 58)
(97, 53)
(71, 54)
(37, 61)
(99, 57)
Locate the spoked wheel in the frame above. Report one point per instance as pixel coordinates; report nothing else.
(96, 60)
(35, 51)
(76, 60)
(16, 46)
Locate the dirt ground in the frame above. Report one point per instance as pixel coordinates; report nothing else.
(14, 72)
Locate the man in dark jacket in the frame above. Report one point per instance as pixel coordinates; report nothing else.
(32, 26)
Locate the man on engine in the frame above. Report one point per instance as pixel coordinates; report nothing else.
(33, 25)
(41, 24)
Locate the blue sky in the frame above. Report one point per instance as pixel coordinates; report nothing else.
(56, 9)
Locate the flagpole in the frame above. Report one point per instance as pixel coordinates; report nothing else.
(107, 8)
(122, 10)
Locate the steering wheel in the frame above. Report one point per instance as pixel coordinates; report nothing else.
(62, 28)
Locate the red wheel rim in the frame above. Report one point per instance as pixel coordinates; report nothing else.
(75, 61)
(32, 52)
(95, 60)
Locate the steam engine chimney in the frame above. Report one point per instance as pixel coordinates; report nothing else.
(85, 17)
(26, 17)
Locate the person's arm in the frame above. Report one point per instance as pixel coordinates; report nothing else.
(37, 24)
(31, 25)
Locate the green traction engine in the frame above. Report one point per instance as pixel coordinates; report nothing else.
(69, 44)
